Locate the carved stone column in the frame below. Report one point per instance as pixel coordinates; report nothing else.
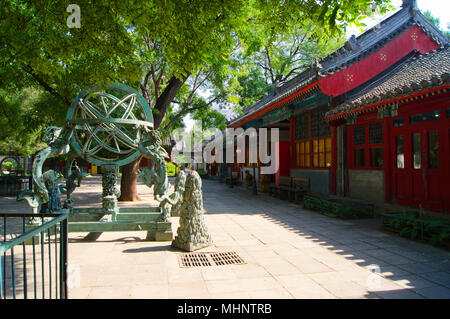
(192, 234)
(110, 191)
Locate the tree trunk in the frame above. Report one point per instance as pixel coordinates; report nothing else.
(167, 97)
(128, 182)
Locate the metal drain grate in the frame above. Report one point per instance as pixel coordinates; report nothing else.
(194, 260)
(227, 258)
(210, 259)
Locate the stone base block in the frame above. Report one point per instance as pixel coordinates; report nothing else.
(189, 246)
(164, 236)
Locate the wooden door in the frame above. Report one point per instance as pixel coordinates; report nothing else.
(418, 167)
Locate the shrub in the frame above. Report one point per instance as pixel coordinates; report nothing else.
(416, 225)
(336, 209)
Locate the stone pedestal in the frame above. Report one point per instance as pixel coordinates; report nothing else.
(192, 233)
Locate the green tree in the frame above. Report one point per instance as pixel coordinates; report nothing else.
(153, 45)
(437, 23)
(24, 115)
(279, 59)
(249, 88)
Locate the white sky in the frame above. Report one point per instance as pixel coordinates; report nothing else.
(438, 8)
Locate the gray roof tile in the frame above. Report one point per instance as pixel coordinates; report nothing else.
(412, 75)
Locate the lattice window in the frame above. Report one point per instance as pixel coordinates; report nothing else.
(375, 133)
(368, 155)
(359, 135)
(319, 126)
(301, 131)
(313, 133)
(303, 157)
(322, 152)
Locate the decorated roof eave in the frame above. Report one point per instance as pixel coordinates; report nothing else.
(387, 99)
(314, 73)
(296, 93)
(416, 19)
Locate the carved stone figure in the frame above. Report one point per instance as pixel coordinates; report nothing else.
(192, 234)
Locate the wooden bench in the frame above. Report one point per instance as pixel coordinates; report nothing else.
(300, 186)
(283, 187)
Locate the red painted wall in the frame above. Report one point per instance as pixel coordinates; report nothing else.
(362, 71)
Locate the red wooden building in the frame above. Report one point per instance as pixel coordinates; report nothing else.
(371, 120)
(398, 134)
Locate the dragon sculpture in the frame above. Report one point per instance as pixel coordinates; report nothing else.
(150, 147)
(173, 199)
(57, 139)
(46, 184)
(73, 178)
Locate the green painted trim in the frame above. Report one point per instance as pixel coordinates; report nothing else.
(314, 100)
(317, 99)
(83, 227)
(122, 210)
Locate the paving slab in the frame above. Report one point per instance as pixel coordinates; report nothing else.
(289, 252)
(436, 292)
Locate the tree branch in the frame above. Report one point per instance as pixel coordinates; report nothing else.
(269, 63)
(28, 69)
(185, 110)
(293, 71)
(144, 87)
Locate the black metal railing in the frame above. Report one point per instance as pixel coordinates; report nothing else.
(33, 256)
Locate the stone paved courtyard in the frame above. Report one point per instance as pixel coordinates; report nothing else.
(289, 253)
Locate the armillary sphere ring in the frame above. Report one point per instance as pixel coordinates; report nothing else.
(104, 122)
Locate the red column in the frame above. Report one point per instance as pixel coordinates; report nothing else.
(333, 159)
(292, 142)
(282, 157)
(387, 162)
